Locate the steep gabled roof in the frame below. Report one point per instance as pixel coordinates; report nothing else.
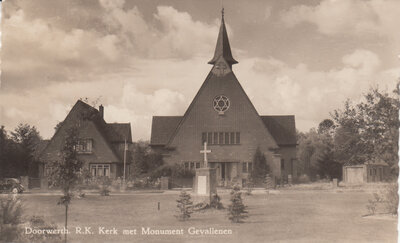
(118, 132)
(282, 128)
(112, 133)
(163, 128)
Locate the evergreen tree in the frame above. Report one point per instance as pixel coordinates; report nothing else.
(185, 206)
(236, 211)
(260, 168)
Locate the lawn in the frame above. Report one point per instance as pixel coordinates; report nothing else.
(289, 216)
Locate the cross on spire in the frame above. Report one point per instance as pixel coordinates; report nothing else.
(205, 152)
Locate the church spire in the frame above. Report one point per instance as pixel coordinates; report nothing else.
(223, 49)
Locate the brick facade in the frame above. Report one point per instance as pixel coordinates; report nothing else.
(180, 139)
(107, 144)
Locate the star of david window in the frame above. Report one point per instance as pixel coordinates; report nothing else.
(221, 104)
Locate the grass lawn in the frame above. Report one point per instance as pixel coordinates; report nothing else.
(290, 216)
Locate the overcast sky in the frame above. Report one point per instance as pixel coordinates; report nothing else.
(145, 58)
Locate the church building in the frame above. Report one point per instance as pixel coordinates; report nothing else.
(222, 122)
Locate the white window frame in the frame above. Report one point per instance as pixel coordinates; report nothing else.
(98, 170)
(84, 146)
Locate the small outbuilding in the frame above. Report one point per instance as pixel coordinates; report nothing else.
(367, 172)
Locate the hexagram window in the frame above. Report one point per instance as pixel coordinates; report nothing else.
(221, 103)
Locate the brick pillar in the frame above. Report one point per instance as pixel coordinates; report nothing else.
(276, 166)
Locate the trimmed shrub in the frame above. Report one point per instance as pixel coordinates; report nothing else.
(185, 206)
(236, 211)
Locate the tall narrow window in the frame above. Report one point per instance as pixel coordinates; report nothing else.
(203, 138)
(209, 138)
(215, 138)
(282, 164)
(221, 138)
(227, 138)
(93, 169)
(238, 138)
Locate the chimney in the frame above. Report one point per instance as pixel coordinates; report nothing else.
(101, 110)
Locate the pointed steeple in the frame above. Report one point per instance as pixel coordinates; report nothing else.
(223, 49)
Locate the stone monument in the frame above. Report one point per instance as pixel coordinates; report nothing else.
(164, 183)
(205, 183)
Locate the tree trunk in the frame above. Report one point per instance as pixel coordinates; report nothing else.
(66, 223)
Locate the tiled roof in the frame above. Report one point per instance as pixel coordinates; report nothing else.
(118, 132)
(282, 128)
(162, 129)
(112, 133)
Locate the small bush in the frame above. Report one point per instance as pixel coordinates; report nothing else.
(216, 202)
(388, 197)
(371, 206)
(236, 210)
(165, 170)
(185, 206)
(105, 186)
(391, 198)
(12, 224)
(146, 183)
(10, 218)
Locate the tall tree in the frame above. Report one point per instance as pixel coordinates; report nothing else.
(315, 153)
(369, 130)
(65, 172)
(28, 138)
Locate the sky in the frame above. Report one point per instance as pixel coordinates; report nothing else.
(146, 58)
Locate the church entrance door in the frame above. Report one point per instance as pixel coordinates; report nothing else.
(224, 172)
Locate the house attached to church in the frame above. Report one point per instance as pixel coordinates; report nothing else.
(101, 146)
(222, 117)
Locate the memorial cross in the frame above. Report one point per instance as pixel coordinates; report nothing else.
(205, 152)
